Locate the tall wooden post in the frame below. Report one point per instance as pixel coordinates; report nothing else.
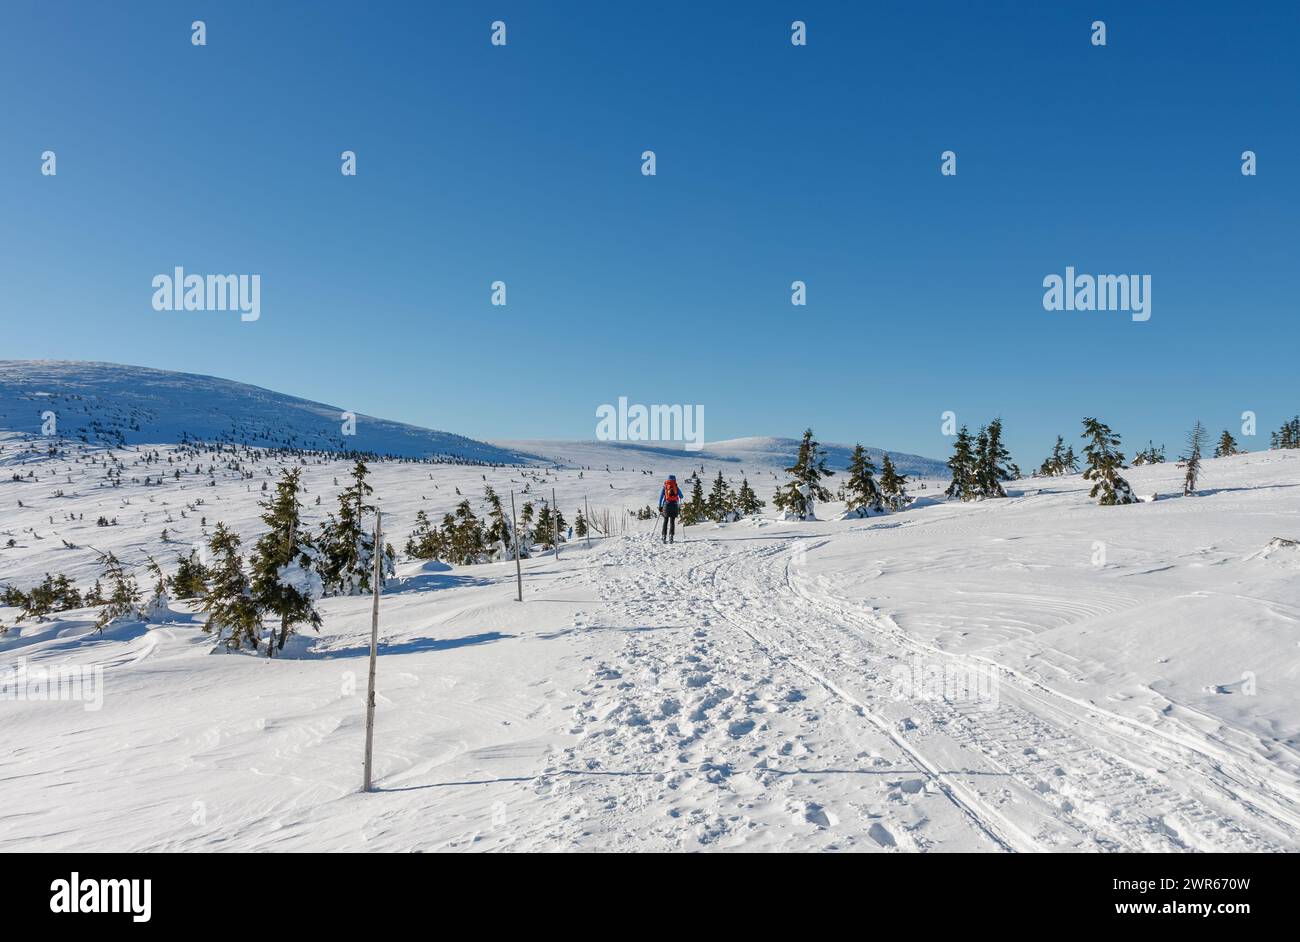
(519, 574)
(374, 645)
(587, 513)
(555, 522)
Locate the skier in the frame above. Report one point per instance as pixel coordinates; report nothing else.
(669, 500)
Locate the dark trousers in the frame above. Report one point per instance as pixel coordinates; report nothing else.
(670, 518)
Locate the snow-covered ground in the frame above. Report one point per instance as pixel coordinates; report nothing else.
(1036, 673)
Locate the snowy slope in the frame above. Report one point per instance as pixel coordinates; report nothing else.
(758, 453)
(108, 403)
(738, 690)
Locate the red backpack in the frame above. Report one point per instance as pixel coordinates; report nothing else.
(671, 494)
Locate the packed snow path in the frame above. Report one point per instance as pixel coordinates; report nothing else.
(751, 684)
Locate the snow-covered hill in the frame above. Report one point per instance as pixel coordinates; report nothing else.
(113, 404)
(765, 454)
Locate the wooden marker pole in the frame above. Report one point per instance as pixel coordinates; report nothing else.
(519, 573)
(374, 647)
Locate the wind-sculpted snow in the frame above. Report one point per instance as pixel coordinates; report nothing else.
(1034, 673)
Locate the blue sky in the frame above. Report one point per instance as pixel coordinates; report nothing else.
(775, 163)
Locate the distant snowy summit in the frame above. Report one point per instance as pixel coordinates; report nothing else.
(116, 405)
(760, 453)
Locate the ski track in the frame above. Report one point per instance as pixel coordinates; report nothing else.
(688, 710)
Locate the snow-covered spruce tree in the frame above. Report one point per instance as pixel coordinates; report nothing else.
(720, 502)
(861, 495)
(190, 581)
(579, 524)
(1227, 446)
(1191, 462)
(747, 502)
(123, 602)
(798, 498)
(695, 509)
(1105, 461)
(347, 542)
(497, 536)
(962, 468)
(893, 486)
(229, 600)
(285, 580)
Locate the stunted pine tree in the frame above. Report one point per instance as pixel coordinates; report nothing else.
(1152, 454)
(190, 581)
(497, 535)
(1105, 461)
(893, 486)
(285, 582)
(1060, 461)
(425, 540)
(798, 498)
(993, 463)
(229, 600)
(720, 500)
(159, 605)
(861, 495)
(1227, 446)
(964, 485)
(747, 502)
(1191, 462)
(123, 602)
(695, 509)
(464, 534)
(348, 541)
(544, 532)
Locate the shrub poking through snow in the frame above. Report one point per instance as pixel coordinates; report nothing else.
(1105, 461)
(1152, 454)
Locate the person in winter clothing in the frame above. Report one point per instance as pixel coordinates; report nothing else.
(670, 499)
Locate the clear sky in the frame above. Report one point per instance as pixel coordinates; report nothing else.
(523, 163)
